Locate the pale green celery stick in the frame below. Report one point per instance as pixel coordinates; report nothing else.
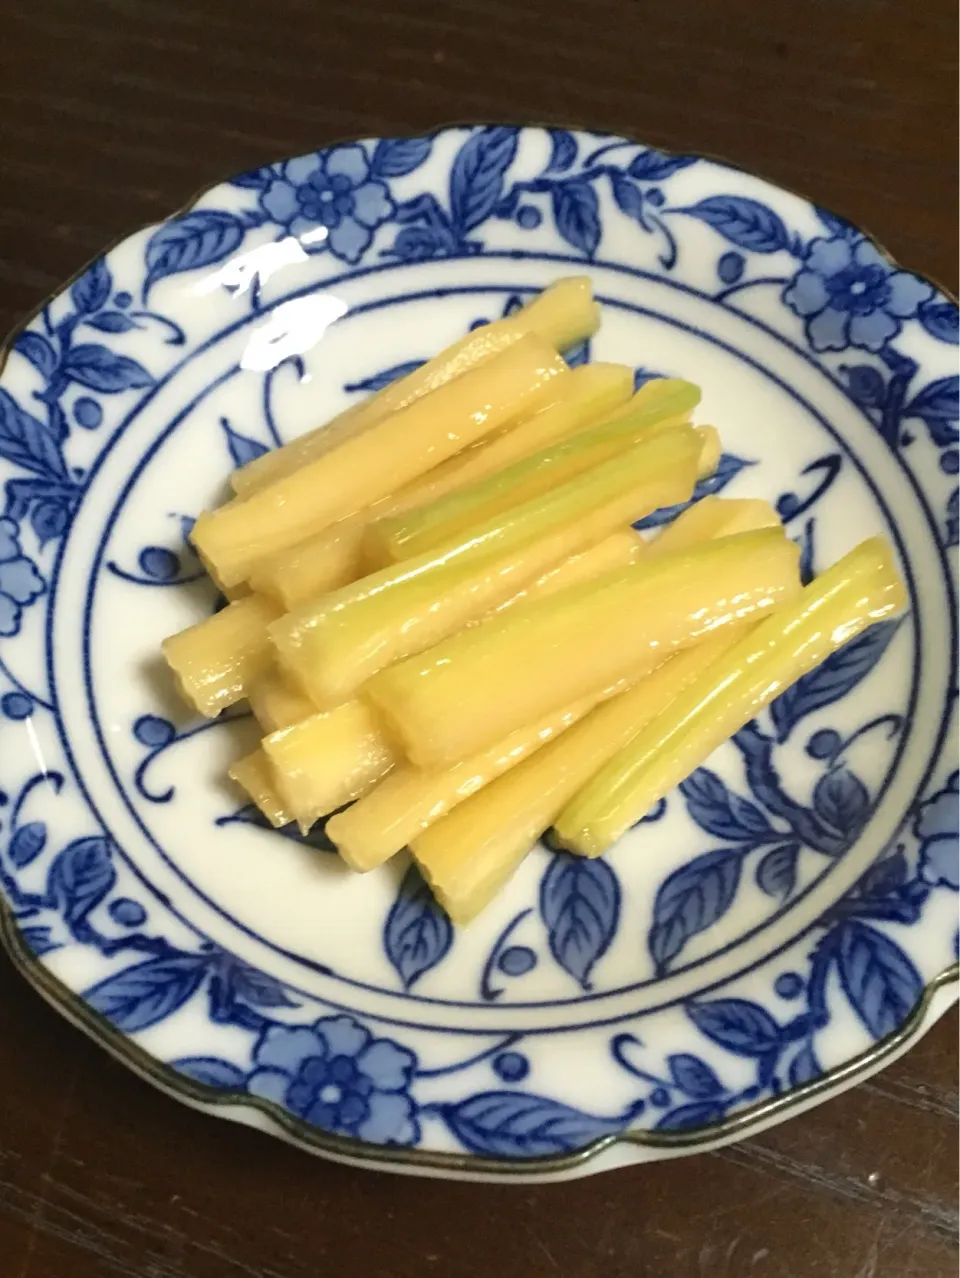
(859, 590)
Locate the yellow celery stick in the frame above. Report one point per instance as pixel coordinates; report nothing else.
(468, 854)
(859, 590)
(335, 557)
(478, 686)
(396, 450)
(411, 533)
(277, 703)
(562, 315)
(253, 774)
(713, 517)
(408, 800)
(336, 740)
(712, 449)
(335, 645)
(216, 662)
(328, 760)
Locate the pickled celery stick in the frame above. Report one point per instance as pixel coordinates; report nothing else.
(339, 738)
(468, 854)
(712, 449)
(217, 661)
(332, 647)
(619, 550)
(328, 760)
(547, 652)
(396, 450)
(562, 315)
(405, 535)
(374, 829)
(334, 557)
(277, 703)
(859, 590)
(713, 517)
(253, 774)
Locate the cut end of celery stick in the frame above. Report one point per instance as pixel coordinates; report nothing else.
(241, 534)
(859, 590)
(335, 646)
(710, 452)
(216, 662)
(312, 567)
(712, 517)
(414, 532)
(471, 852)
(276, 703)
(558, 649)
(253, 774)
(328, 760)
(563, 315)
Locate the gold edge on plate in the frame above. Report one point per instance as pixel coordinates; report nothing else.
(69, 1003)
(315, 1140)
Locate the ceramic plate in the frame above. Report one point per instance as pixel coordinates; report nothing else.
(782, 925)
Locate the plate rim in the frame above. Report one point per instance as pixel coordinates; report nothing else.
(936, 997)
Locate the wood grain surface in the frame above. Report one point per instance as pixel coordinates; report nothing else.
(113, 113)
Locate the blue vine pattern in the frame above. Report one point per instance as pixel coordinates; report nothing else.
(355, 204)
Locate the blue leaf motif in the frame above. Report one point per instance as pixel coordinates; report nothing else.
(149, 992)
(941, 320)
(27, 843)
(26, 442)
(416, 244)
(417, 933)
(841, 800)
(578, 355)
(81, 877)
(255, 987)
(628, 196)
(656, 166)
(694, 1076)
(210, 1070)
(937, 406)
(36, 348)
(255, 180)
(242, 448)
(396, 157)
(39, 940)
(563, 151)
(385, 378)
(742, 1027)
(805, 1066)
(720, 812)
(833, 679)
(952, 521)
(777, 872)
(476, 179)
(577, 214)
(878, 978)
(690, 900)
(92, 289)
(111, 322)
(519, 1125)
(866, 385)
(699, 1114)
(580, 905)
(200, 238)
(746, 223)
(103, 370)
(728, 468)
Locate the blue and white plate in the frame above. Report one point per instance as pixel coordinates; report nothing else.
(783, 925)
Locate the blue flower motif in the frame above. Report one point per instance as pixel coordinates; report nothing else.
(937, 826)
(20, 583)
(338, 1077)
(334, 191)
(849, 295)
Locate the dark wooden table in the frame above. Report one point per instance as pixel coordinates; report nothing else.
(113, 112)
